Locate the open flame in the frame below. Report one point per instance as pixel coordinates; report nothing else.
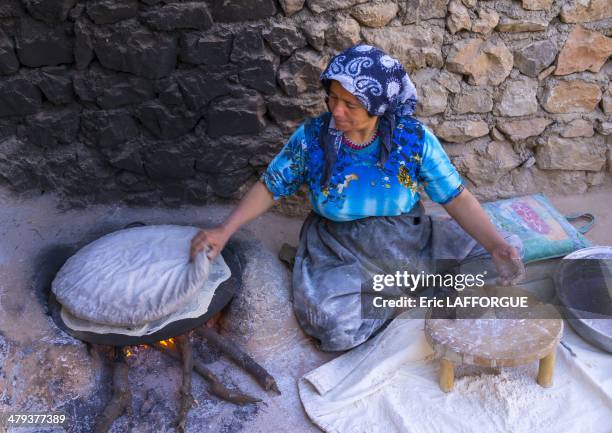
(129, 351)
(170, 343)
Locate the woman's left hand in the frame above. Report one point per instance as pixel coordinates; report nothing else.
(510, 268)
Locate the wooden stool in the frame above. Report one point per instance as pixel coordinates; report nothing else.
(498, 341)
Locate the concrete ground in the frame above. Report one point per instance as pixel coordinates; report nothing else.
(32, 225)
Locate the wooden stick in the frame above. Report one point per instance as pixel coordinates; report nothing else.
(121, 400)
(187, 400)
(241, 358)
(546, 369)
(447, 375)
(216, 387)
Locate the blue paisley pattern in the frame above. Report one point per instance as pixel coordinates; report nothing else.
(377, 79)
(360, 186)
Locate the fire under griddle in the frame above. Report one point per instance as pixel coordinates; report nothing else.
(174, 340)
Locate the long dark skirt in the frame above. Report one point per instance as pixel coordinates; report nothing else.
(336, 261)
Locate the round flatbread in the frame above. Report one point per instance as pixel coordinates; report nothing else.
(196, 307)
(132, 277)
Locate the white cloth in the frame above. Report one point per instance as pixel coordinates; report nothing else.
(390, 384)
(132, 276)
(196, 307)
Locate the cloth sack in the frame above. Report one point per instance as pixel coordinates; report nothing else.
(545, 233)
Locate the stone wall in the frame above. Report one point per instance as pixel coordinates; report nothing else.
(167, 102)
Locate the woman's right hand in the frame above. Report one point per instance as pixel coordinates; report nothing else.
(213, 239)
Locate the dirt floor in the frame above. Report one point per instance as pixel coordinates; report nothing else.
(29, 227)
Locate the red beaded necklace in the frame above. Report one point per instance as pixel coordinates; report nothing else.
(349, 143)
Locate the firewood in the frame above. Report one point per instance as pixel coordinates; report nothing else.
(240, 357)
(187, 400)
(121, 401)
(216, 387)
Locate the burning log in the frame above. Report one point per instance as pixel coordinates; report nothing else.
(216, 386)
(121, 401)
(241, 358)
(187, 401)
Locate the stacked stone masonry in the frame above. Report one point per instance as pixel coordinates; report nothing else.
(161, 102)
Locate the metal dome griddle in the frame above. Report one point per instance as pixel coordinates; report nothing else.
(222, 296)
(583, 283)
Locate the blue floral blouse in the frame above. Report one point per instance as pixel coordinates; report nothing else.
(360, 187)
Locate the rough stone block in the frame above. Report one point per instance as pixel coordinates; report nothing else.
(315, 33)
(584, 50)
(199, 87)
(201, 48)
(107, 128)
(18, 97)
(19, 165)
(284, 111)
(511, 25)
(578, 11)
(259, 75)
(486, 22)
(460, 131)
(569, 154)
(52, 128)
(433, 98)
(11, 9)
(518, 130)
(537, 5)
(343, 34)
(415, 46)
(236, 116)
(291, 7)
(128, 47)
(49, 11)
(319, 6)
(56, 85)
(8, 60)
(240, 10)
(165, 122)
(112, 90)
(489, 164)
(519, 98)
(169, 160)
(484, 62)
(111, 11)
(83, 44)
(41, 45)
(284, 39)
(375, 14)
(190, 15)
(458, 17)
(535, 57)
(168, 92)
(571, 97)
(578, 128)
(128, 158)
(474, 101)
(248, 45)
(300, 73)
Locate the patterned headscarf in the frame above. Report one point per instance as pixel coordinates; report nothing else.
(380, 83)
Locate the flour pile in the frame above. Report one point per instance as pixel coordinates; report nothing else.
(390, 385)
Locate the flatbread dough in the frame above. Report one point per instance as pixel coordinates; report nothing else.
(132, 277)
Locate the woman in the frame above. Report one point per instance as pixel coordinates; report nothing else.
(363, 161)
